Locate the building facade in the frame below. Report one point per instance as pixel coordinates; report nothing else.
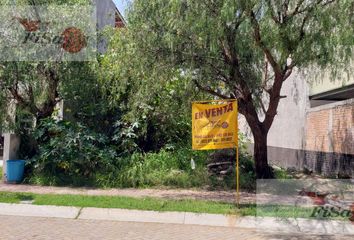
(314, 127)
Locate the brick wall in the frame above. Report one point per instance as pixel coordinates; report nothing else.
(331, 129)
(329, 139)
(317, 131)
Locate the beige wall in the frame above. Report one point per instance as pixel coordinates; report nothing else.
(327, 83)
(288, 128)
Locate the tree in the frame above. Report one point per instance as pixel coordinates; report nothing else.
(153, 108)
(244, 49)
(36, 87)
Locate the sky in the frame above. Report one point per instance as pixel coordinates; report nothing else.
(122, 5)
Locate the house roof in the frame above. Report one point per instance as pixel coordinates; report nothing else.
(339, 94)
(120, 21)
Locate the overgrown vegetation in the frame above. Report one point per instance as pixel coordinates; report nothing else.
(72, 154)
(69, 153)
(245, 49)
(126, 117)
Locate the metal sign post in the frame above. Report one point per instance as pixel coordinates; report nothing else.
(215, 126)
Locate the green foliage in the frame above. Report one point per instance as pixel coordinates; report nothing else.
(247, 172)
(173, 168)
(162, 205)
(41, 2)
(70, 154)
(281, 174)
(156, 106)
(10, 197)
(229, 49)
(43, 85)
(121, 202)
(165, 168)
(228, 181)
(36, 87)
(199, 35)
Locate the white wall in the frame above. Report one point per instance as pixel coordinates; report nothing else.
(288, 128)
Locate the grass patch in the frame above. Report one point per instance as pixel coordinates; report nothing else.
(7, 197)
(154, 204)
(281, 174)
(0, 173)
(136, 203)
(162, 205)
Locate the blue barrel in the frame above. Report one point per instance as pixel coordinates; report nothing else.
(14, 170)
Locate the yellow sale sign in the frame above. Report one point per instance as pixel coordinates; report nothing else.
(214, 125)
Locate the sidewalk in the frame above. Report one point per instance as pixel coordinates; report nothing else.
(264, 224)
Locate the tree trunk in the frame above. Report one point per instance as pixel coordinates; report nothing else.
(260, 134)
(263, 170)
(46, 111)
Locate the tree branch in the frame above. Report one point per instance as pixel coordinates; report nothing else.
(260, 43)
(309, 7)
(210, 90)
(297, 8)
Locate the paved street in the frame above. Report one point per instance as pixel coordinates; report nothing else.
(31, 228)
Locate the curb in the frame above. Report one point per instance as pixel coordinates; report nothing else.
(27, 210)
(263, 224)
(132, 215)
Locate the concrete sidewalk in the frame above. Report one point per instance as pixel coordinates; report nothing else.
(265, 224)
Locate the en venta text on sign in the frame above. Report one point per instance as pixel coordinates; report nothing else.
(214, 126)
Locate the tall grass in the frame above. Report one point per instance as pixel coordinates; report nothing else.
(166, 168)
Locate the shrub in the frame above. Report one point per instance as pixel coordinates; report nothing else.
(173, 169)
(165, 168)
(72, 154)
(69, 153)
(228, 181)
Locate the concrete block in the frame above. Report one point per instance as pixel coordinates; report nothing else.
(11, 147)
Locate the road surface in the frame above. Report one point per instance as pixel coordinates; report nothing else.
(32, 228)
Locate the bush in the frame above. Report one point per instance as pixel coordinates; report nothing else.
(69, 154)
(173, 169)
(247, 172)
(228, 181)
(165, 168)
